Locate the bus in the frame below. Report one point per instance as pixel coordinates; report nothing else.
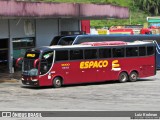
(78, 39)
(88, 62)
(126, 29)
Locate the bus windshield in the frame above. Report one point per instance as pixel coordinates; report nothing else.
(28, 63)
(36, 63)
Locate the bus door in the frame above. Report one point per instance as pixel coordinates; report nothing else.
(158, 56)
(158, 60)
(46, 64)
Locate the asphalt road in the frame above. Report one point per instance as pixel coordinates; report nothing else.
(143, 95)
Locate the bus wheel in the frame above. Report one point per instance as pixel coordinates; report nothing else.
(57, 82)
(133, 77)
(123, 77)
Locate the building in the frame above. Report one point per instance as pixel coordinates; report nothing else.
(32, 24)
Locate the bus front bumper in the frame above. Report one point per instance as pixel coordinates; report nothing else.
(33, 82)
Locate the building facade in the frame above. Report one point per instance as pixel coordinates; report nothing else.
(32, 24)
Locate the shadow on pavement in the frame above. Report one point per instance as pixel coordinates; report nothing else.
(84, 84)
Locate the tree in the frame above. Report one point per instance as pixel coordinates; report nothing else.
(150, 6)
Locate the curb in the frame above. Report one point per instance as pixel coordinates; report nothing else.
(11, 80)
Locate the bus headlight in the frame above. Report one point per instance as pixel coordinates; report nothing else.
(35, 80)
(22, 79)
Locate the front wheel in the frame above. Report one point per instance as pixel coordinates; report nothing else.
(57, 82)
(133, 77)
(123, 77)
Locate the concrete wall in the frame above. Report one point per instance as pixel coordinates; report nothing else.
(4, 29)
(17, 28)
(70, 25)
(46, 29)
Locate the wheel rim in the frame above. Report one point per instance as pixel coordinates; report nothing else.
(58, 83)
(133, 77)
(123, 78)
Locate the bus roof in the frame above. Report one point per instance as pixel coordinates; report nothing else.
(98, 44)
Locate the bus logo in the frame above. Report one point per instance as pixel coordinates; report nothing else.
(115, 65)
(100, 64)
(93, 64)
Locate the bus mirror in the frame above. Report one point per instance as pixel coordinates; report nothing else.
(17, 61)
(36, 62)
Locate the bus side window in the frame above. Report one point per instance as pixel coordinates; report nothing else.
(76, 54)
(118, 52)
(61, 55)
(150, 50)
(142, 51)
(131, 51)
(91, 54)
(46, 62)
(83, 39)
(105, 53)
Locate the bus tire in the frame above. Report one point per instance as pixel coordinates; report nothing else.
(123, 77)
(57, 82)
(133, 76)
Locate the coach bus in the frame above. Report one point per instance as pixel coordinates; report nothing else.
(78, 39)
(88, 62)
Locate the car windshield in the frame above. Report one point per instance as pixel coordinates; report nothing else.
(66, 40)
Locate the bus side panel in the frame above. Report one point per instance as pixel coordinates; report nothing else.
(72, 72)
(44, 80)
(145, 66)
(113, 69)
(69, 71)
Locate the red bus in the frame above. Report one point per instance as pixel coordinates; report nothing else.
(128, 31)
(88, 62)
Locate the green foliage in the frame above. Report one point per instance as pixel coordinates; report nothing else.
(150, 6)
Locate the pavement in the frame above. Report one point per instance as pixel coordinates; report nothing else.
(8, 77)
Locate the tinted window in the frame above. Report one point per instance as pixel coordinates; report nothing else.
(66, 40)
(46, 62)
(81, 39)
(61, 55)
(23, 42)
(131, 51)
(85, 38)
(150, 50)
(90, 54)
(55, 40)
(105, 53)
(118, 52)
(142, 51)
(76, 54)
